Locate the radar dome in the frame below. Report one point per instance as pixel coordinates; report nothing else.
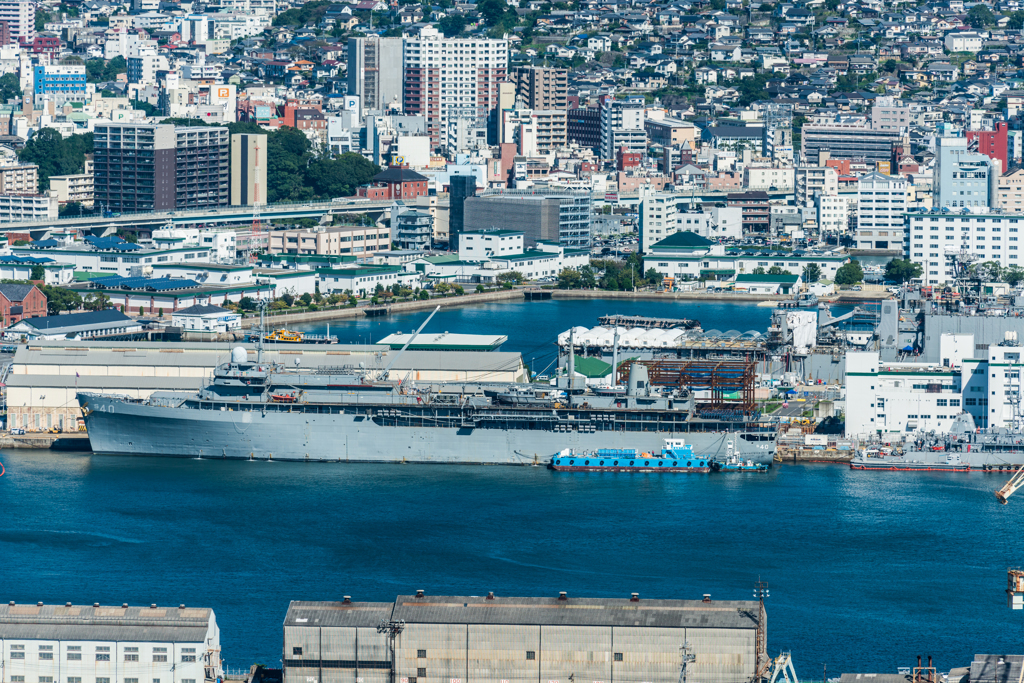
(239, 355)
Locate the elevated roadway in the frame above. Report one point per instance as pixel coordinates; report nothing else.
(238, 215)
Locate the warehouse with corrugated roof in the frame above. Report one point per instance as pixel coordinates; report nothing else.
(109, 644)
(459, 639)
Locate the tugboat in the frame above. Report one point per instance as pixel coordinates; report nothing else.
(676, 456)
(733, 463)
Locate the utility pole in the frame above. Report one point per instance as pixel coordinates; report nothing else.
(688, 658)
(761, 659)
(391, 629)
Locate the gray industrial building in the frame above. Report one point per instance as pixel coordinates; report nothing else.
(562, 217)
(460, 639)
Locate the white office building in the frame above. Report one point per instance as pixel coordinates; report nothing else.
(903, 398)
(93, 644)
(833, 213)
(881, 204)
(665, 213)
(936, 236)
(963, 178)
(899, 398)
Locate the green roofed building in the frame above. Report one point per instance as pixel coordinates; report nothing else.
(445, 341)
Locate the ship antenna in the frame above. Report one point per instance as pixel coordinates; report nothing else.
(259, 338)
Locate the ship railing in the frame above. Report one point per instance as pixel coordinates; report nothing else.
(335, 370)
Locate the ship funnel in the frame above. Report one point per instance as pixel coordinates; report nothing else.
(239, 355)
(637, 380)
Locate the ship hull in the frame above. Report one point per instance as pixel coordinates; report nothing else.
(909, 467)
(974, 459)
(659, 470)
(126, 428)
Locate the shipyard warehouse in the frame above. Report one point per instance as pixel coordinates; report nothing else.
(444, 639)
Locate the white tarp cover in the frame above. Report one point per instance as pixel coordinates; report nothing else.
(804, 325)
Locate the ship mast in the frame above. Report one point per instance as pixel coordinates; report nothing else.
(259, 337)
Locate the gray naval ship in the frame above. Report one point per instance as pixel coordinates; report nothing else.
(259, 410)
(963, 448)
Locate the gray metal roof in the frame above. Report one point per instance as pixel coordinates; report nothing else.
(996, 668)
(875, 678)
(87, 320)
(85, 622)
(540, 611)
(210, 355)
(355, 614)
(202, 309)
(15, 293)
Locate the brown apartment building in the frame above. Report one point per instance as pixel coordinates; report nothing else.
(756, 212)
(541, 88)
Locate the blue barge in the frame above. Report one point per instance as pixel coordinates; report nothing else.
(675, 457)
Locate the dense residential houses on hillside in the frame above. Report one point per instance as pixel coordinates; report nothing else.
(708, 133)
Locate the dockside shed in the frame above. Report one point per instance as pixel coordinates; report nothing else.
(459, 639)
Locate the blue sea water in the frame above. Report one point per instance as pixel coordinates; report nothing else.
(866, 569)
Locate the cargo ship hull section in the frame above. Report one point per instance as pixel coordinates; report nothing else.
(126, 428)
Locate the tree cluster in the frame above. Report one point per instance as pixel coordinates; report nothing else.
(294, 173)
(59, 299)
(56, 155)
(850, 273)
(102, 71)
(302, 15)
(902, 270)
(623, 276)
(571, 278)
(10, 87)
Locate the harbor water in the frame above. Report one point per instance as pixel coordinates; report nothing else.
(866, 569)
(532, 327)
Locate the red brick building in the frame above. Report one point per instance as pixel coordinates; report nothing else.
(396, 182)
(18, 302)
